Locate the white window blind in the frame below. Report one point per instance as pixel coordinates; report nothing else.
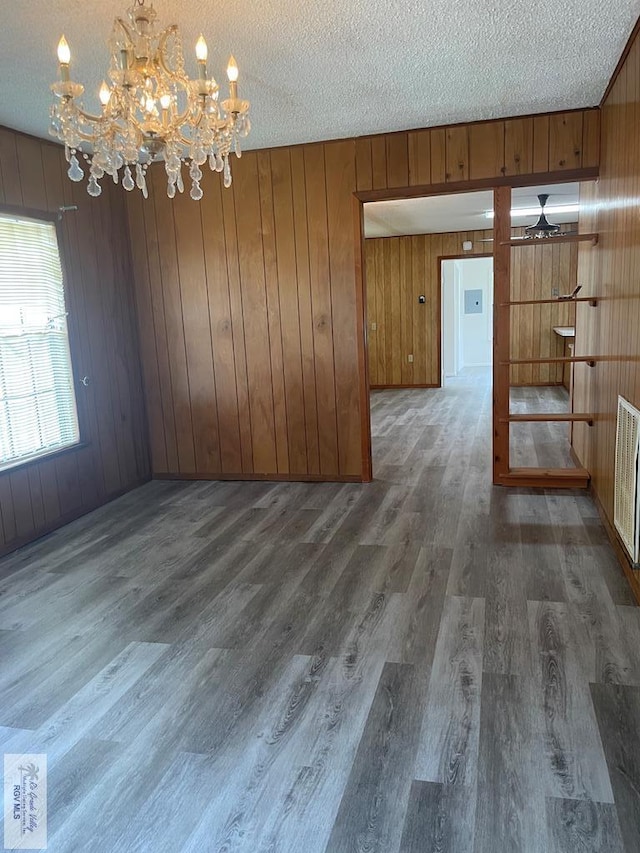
(37, 399)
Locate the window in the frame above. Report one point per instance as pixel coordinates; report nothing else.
(37, 400)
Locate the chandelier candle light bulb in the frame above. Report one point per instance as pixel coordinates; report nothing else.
(105, 93)
(64, 58)
(232, 74)
(151, 110)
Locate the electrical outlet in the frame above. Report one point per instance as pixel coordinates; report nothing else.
(410, 359)
(555, 293)
(374, 326)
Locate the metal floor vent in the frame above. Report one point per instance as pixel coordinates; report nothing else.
(626, 513)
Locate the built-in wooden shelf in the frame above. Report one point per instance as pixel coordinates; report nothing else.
(544, 241)
(556, 359)
(565, 331)
(547, 478)
(561, 417)
(592, 300)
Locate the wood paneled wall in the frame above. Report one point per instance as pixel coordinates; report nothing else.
(37, 497)
(399, 269)
(248, 318)
(462, 154)
(610, 271)
(249, 305)
(536, 271)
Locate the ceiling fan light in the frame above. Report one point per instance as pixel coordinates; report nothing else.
(542, 228)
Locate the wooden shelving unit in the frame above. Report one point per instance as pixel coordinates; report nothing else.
(592, 300)
(503, 473)
(545, 241)
(542, 417)
(590, 360)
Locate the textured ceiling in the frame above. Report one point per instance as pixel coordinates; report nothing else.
(461, 212)
(321, 69)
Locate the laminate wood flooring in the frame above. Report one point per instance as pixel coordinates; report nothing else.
(424, 664)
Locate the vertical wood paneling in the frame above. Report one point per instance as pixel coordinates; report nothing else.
(258, 334)
(438, 156)
(305, 310)
(610, 270)
(222, 330)
(486, 149)
(541, 144)
(400, 269)
(518, 145)
(40, 496)
(239, 337)
(565, 141)
(419, 146)
(149, 244)
(254, 313)
(321, 306)
(379, 162)
(273, 312)
(397, 160)
(591, 138)
(197, 328)
(536, 272)
(340, 181)
(288, 295)
(364, 175)
(457, 153)
(11, 184)
(166, 291)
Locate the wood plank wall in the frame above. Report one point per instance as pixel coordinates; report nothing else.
(248, 301)
(38, 497)
(399, 269)
(610, 271)
(536, 271)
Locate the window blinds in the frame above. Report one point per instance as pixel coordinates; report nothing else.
(37, 400)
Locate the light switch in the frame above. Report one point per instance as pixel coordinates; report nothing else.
(374, 326)
(410, 359)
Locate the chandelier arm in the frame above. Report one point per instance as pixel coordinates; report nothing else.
(126, 29)
(89, 117)
(162, 45)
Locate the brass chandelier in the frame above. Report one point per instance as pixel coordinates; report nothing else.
(150, 110)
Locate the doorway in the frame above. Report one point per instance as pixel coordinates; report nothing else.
(467, 316)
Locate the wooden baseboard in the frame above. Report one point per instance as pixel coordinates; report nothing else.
(67, 518)
(631, 574)
(545, 478)
(399, 387)
(276, 478)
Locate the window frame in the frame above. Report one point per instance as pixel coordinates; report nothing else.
(72, 337)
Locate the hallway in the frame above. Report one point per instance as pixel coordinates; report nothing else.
(426, 663)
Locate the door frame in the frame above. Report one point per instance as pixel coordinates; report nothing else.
(359, 199)
(461, 257)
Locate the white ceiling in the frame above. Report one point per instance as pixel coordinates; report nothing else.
(322, 69)
(461, 212)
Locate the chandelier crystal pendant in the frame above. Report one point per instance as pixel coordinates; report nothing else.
(150, 110)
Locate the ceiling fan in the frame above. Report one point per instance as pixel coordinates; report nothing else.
(542, 229)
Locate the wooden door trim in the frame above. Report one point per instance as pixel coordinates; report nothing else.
(586, 173)
(362, 342)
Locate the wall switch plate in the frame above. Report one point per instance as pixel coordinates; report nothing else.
(555, 293)
(374, 326)
(410, 359)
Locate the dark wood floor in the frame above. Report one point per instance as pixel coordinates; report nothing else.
(425, 663)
